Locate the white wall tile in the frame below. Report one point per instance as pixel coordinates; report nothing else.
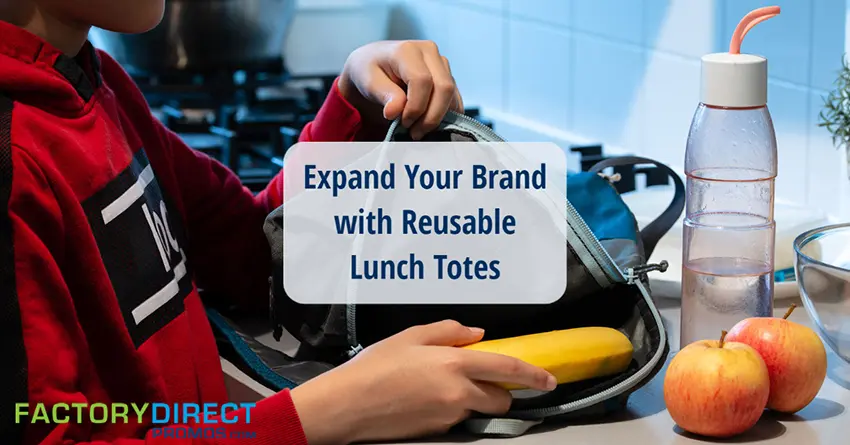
(827, 174)
(555, 12)
(672, 94)
(788, 107)
(606, 88)
(632, 78)
(827, 41)
(473, 41)
(539, 87)
(616, 19)
(518, 133)
(333, 3)
(494, 5)
(785, 40)
(667, 22)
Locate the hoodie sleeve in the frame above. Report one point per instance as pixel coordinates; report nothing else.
(336, 121)
(44, 348)
(224, 219)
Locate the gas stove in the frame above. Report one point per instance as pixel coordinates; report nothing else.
(246, 119)
(626, 174)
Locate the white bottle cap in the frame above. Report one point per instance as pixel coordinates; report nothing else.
(734, 80)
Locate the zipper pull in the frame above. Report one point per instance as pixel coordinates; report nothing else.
(354, 351)
(612, 179)
(640, 272)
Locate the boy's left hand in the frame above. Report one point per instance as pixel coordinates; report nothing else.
(411, 79)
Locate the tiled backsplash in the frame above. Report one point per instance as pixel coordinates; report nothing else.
(626, 73)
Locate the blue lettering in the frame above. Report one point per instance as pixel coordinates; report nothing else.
(155, 407)
(479, 178)
(355, 275)
(440, 259)
(494, 269)
(507, 179)
(336, 180)
(194, 433)
(479, 223)
(427, 179)
(308, 175)
(372, 223)
(190, 411)
(247, 407)
(180, 432)
(345, 224)
(209, 410)
(339, 181)
(189, 433)
(468, 269)
(411, 174)
(408, 219)
(231, 407)
(410, 269)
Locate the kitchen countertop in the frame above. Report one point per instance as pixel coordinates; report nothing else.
(646, 422)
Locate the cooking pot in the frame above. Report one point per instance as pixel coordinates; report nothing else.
(205, 35)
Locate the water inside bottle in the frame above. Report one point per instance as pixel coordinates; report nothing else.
(717, 293)
(729, 233)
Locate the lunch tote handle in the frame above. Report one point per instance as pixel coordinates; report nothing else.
(655, 230)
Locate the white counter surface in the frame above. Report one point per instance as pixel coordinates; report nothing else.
(646, 422)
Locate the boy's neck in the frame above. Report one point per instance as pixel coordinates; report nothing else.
(67, 36)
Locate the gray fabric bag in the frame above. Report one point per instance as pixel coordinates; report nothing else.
(607, 286)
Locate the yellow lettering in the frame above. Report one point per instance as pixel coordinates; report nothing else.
(19, 413)
(56, 418)
(122, 407)
(92, 409)
(40, 414)
(140, 411)
(79, 407)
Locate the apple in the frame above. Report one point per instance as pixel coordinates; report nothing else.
(794, 355)
(716, 388)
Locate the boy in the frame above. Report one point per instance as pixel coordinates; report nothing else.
(108, 222)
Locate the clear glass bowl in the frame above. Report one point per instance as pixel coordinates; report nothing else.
(823, 275)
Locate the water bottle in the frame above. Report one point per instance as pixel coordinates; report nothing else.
(731, 165)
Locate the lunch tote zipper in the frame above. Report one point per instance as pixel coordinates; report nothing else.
(600, 265)
(517, 422)
(636, 275)
(597, 261)
(589, 250)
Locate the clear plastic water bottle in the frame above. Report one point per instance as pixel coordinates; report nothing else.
(731, 164)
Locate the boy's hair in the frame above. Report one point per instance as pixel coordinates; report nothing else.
(125, 16)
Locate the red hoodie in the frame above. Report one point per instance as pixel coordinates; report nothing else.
(108, 225)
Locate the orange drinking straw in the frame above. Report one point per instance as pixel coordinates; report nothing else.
(746, 24)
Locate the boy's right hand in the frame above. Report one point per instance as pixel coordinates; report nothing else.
(412, 384)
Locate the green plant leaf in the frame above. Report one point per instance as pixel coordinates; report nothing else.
(835, 114)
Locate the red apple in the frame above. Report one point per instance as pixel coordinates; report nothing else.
(794, 355)
(716, 388)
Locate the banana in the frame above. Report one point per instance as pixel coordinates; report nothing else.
(570, 355)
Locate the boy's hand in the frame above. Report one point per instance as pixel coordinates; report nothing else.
(411, 79)
(409, 385)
